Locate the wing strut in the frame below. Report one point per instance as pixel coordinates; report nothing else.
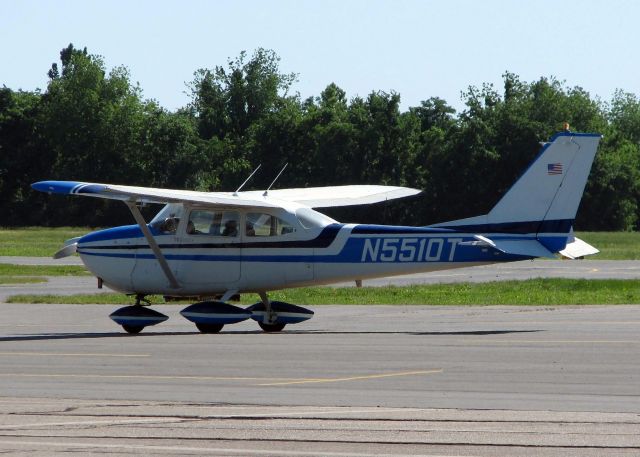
(152, 244)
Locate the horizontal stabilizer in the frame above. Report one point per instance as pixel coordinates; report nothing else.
(578, 248)
(530, 248)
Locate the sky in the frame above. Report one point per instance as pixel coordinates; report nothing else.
(419, 49)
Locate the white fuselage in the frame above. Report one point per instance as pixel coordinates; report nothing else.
(271, 249)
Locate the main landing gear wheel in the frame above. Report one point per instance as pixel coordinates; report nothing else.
(272, 328)
(272, 316)
(133, 329)
(209, 328)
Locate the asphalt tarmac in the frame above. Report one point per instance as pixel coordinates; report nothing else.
(352, 381)
(402, 380)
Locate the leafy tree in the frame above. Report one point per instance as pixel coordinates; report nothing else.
(169, 154)
(22, 156)
(92, 124)
(229, 104)
(228, 101)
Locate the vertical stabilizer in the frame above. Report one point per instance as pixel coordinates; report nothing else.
(551, 188)
(543, 202)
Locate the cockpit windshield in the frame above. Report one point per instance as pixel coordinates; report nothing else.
(167, 220)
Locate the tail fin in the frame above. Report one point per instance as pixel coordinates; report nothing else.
(545, 199)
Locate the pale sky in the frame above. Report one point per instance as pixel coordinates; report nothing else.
(419, 49)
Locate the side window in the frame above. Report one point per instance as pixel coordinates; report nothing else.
(168, 226)
(262, 224)
(230, 221)
(213, 223)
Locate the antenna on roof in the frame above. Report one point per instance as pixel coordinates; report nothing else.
(266, 192)
(245, 181)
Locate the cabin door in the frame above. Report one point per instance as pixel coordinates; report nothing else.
(209, 252)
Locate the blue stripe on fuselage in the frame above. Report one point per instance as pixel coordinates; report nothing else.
(324, 239)
(424, 247)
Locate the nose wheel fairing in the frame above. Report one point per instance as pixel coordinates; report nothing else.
(136, 317)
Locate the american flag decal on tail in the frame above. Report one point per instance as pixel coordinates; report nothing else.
(554, 169)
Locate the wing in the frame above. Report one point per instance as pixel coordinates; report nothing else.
(149, 194)
(314, 197)
(324, 197)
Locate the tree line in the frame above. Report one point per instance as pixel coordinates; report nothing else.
(94, 125)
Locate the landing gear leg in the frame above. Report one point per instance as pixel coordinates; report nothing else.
(140, 298)
(269, 324)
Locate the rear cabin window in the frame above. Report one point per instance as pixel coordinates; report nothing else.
(309, 218)
(262, 224)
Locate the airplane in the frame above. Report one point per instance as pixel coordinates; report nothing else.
(215, 245)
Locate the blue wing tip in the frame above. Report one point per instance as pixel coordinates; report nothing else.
(60, 187)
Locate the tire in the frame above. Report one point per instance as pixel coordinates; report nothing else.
(209, 328)
(133, 329)
(271, 328)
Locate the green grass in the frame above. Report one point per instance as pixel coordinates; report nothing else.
(550, 292)
(27, 274)
(82, 299)
(7, 269)
(36, 241)
(613, 245)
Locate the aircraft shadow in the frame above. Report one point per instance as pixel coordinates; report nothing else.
(72, 336)
(460, 333)
(79, 336)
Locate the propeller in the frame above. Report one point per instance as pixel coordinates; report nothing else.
(70, 247)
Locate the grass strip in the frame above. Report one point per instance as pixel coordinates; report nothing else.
(550, 292)
(7, 269)
(36, 241)
(613, 245)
